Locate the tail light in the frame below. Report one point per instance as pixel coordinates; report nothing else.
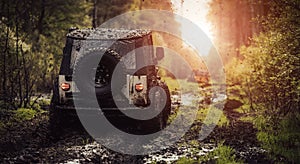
(65, 86)
(139, 87)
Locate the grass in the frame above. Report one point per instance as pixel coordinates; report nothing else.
(221, 155)
(11, 118)
(224, 154)
(202, 116)
(23, 114)
(194, 143)
(187, 87)
(183, 85)
(280, 136)
(185, 160)
(249, 119)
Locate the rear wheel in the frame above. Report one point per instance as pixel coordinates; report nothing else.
(167, 109)
(162, 118)
(144, 127)
(55, 115)
(61, 120)
(160, 121)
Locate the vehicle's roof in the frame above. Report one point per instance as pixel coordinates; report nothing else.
(107, 34)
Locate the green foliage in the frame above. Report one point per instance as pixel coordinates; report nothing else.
(13, 118)
(249, 119)
(283, 139)
(106, 10)
(274, 71)
(266, 79)
(225, 154)
(44, 102)
(202, 116)
(32, 38)
(194, 143)
(221, 155)
(181, 84)
(185, 160)
(272, 79)
(23, 114)
(274, 59)
(235, 72)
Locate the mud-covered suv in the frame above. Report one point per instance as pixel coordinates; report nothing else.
(137, 76)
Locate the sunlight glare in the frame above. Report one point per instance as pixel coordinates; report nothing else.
(195, 11)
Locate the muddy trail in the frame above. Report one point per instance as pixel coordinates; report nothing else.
(31, 142)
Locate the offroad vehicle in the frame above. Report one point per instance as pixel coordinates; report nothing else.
(84, 45)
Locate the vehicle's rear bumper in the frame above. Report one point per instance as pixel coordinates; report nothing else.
(92, 111)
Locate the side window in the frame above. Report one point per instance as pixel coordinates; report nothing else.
(139, 55)
(74, 53)
(150, 52)
(129, 56)
(145, 57)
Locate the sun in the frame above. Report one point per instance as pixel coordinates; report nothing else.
(196, 11)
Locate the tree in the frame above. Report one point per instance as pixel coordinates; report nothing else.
(234, 25)
(273, 59)
(33, 35)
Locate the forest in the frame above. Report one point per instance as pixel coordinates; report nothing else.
(258, 41)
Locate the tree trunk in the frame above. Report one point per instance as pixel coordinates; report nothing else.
(95, 14)
(141, 4)
(26, 96)
(4, 82)
(41, 18)
(18, 66)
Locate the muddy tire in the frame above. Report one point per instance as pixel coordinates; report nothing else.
(55, 115)
(144, 127)
(167, 109)
(160, 121)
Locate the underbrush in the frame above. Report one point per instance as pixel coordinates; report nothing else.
(210, 114)
(281, 136)
(221, 155)
(23, 114)
(10, 118)
(181, 84)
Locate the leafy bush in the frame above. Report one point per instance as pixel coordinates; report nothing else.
(280, 137)
(271, 79)
(222, 154)
(44, 102)
(23, 114)
(225, 154)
